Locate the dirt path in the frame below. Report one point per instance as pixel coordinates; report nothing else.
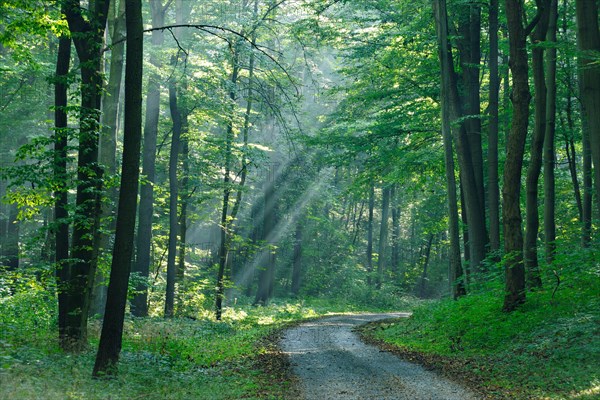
(331, 362)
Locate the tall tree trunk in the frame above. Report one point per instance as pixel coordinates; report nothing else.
(173, 200)
(455, 267)
(297, 259)
(108, 142)
(586, 212)
(112, 326)
(469, 167)
(383, 234)
(515, 149)
(267, 258)
(88, 37)
(493, 130)
(470, 58)
(549, 149)
(370, 235)
(225, 223)
(61, 193)
(588, 40)
(185, 196)
(395, 256)
(139, 305)
(422, 292)
(537, 144)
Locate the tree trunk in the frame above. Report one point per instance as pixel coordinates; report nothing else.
(422, 292)
(537, 145)
(139, 305)
(61, 194)
(515, 148)
(225, 223)
(455, 267)
(395, 256)
(370, 235)
(173, 200)
(88, 37)
(112, 326)
(588, 40)
(108, 143)
(549, 149)
(493, 130)
(297, 260)
(267, 258)
(383, 234)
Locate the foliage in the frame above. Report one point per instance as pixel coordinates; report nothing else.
(548, 348)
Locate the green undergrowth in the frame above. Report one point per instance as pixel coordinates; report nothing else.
(548, 349)
(161, 359)
(180, 358)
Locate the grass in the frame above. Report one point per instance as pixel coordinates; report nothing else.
(548, 349)
(181, 358)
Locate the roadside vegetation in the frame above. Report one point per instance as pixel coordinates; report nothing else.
(193, 357)
(547, 349)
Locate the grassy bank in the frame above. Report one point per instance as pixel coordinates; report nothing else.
(548, 349)
(181, 358)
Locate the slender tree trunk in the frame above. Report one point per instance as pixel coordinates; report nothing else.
(588, 40)
(61, 194)
(88, 37)
(139, 305)
(267, 258)
(549, 147)
(422, 292)
(173, 200)
(185, 195)
(537, 144)
(493, 186)
(455, 267)
(586, 212)
(297, 259)
(112, 326)
(370, 235)
(225, 223)
(108, 143)
(515, 149)
(383, 234)
(395, 257)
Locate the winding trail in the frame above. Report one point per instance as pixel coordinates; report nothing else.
(331, 362)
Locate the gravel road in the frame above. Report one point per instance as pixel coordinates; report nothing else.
(331, 362)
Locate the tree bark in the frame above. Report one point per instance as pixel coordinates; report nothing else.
(112, 326)
(88, 37)
(108, 143)
(173, 200)
(549, 147)
(383, 234)
(297, 259)
(61, 201)
(515, 148)
(454, 263)
(493, 130)
(537, 145)
(370, 235)
(139, 304)
(588, 40)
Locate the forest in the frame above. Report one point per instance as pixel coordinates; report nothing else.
(182, 182)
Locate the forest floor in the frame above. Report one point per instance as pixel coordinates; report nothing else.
(330, 361)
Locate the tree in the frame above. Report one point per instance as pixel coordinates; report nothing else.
(112, 327)
(139, 304)
(88, 36)
(588, 41)
(454, 262)
(515, 149)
